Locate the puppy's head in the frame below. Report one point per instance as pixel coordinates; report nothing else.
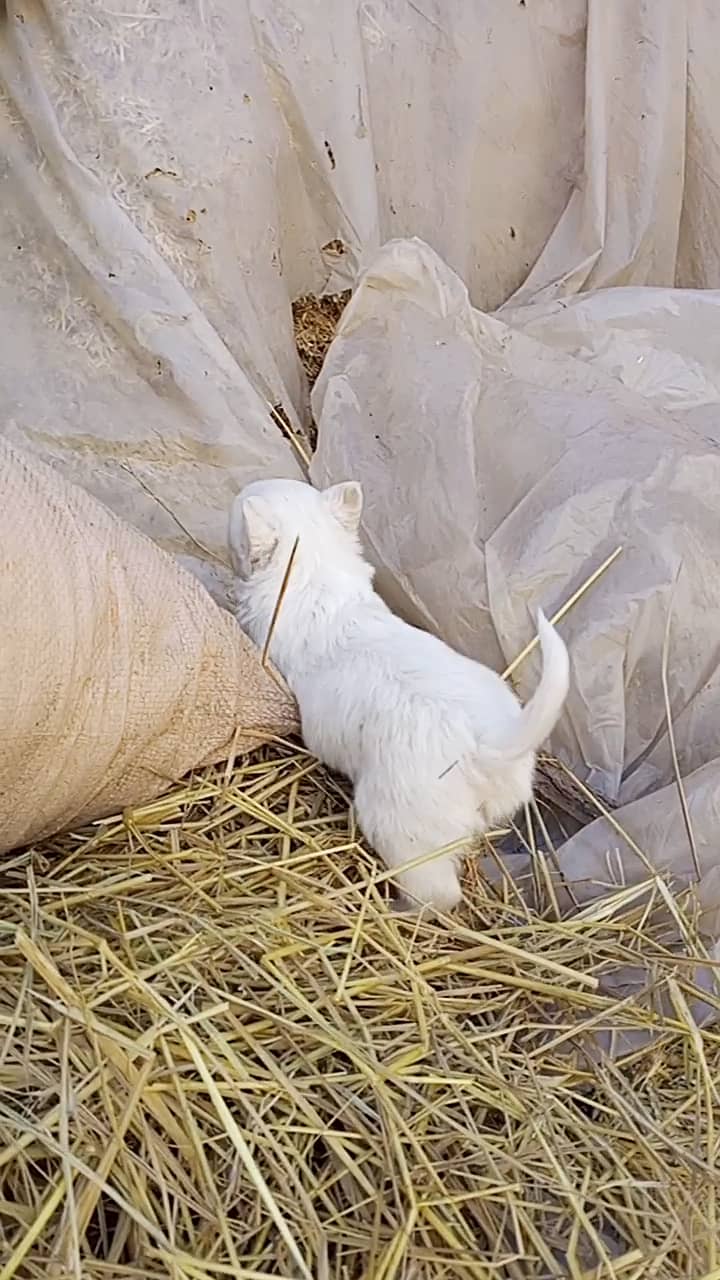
(268, 516)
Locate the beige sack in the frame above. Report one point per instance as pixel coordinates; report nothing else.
(118, 673)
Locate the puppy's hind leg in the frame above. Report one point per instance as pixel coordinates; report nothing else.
(434, 884)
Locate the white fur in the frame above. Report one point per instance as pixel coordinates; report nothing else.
(437, 746)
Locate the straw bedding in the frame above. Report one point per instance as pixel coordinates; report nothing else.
(315, 321)
(221, 1055)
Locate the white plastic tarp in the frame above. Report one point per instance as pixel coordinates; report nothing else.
(174, 172)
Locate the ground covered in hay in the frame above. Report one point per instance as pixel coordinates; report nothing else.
(222, 1055)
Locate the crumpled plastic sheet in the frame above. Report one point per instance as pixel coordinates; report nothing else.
(501, 469)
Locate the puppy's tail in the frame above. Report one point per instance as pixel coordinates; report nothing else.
(540, 715)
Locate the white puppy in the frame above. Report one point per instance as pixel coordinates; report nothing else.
(437, 746)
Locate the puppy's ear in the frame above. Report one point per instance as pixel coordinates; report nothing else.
(345, 501)
(252, 535)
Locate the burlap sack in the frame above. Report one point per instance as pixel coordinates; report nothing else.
(118, 673)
